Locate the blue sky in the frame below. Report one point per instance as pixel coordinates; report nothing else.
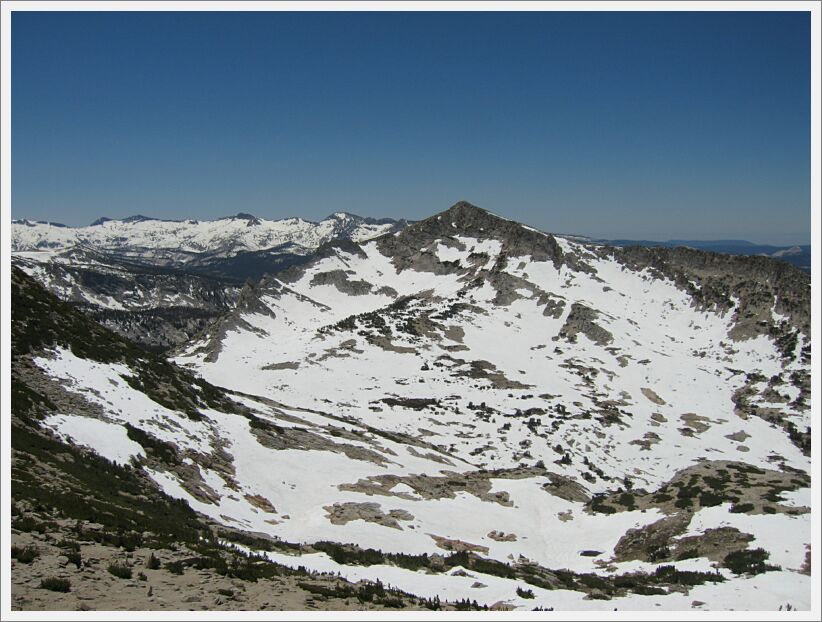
(630, 125)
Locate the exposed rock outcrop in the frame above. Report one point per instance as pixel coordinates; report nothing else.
(582, 319)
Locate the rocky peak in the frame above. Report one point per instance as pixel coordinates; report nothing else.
(342, 216)
(464, 206)
(330, 248)
(251, 219)
(468, 220)
(464, 214)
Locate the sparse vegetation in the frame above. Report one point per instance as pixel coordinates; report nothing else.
(25, 555)
(709, 484)
(120, 570)
(741, 508)
(56, 584)
(748, 561)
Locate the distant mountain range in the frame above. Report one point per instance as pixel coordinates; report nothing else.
(247, 246)
(180, 242)
(797, 255)
(159, 282)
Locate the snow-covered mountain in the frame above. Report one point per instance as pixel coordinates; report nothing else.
(159, 282)
(471, 408)
(172, 242)
(155, 307)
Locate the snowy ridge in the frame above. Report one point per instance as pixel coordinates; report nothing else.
(226, 236)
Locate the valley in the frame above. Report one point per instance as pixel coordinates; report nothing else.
(464, 409)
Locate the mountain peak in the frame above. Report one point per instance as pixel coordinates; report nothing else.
(464, 205)
(468, 217)
(100, 221)
(463, 210)
(251, 219)
(468, 220)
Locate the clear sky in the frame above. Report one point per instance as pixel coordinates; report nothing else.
(619, 125)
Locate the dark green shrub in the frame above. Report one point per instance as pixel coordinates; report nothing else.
(741, 508)
(648, 590)
(468, 605)
(339, 590)
(56, 584)
(367, 592)
(175, 567)
(350, 555)
(748, 561)
(670, 574)
(593, 581)
(525, 593)
(687, 554)
(432, 603)
(598, 505)
(119, 570)
(395, 602)
(626, 499)
(709, 499)
(625, 582)
(717, 483)
(683, 502)
(493, 567)
(215, 562)
(687, 492)
(30, 524)
(25, 555)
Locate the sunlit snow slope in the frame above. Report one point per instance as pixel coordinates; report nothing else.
(526, 411)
